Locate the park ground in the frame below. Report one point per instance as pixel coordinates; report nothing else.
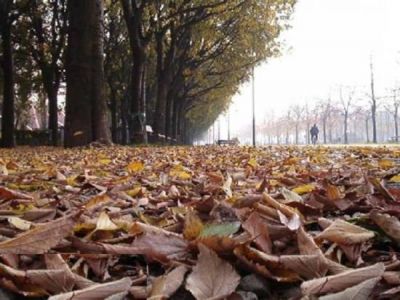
(275, 222)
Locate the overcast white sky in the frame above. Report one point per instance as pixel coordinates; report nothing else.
(329, 44)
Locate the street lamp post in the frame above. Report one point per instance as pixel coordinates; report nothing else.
(253, 104)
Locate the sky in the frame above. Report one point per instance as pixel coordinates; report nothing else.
(330, 44)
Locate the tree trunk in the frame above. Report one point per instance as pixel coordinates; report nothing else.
(161, 100)
(297, 134)
(373, 105)
(367, 129)
(346, 141)
(101, 129)
(373, 118)
(86, 118)
(53, 114)
(396, 124)
(7, 124)
(324, 129)
(114, 116)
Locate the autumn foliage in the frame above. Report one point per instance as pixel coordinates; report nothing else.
(200, 223)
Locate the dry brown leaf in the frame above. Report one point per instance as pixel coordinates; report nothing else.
(53, 281)
(161, 246)
(8, 194)
(97, 291)
(56, 262)
(389, 224)
(339, 282)
(165, 286)
(258, 230)
(40, 239)
(212, 277)
(332, 192)
(342, 232)
(360, 291)
(307, 266)
(193, 226)
(306, 243)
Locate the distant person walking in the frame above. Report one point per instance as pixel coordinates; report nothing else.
(314, 134)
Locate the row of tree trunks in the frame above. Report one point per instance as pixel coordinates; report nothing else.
(86, 109)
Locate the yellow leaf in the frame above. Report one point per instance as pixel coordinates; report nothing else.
(193, 226)
(304, 189)
(273, 182)
(96, 200)
(135, 166)
(105, 161)
(84, 227)
(386, 163)
(180, 173)
(23, 208)
(134, 192)
(104, 222)
(71, 180)
(252, 163)
(395, 178)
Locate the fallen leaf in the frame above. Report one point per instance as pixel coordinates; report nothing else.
(360, 291)
(226, 187)
(224, 229)
(19, 223)
(389, 224)
(97, 291)
(293, 224)
(212, 277)
(339, 282)
(135, 166)
(300, 190)
(193, 226)
(258, 230)
(165, 286)
(40, 239)
(104, 222)
(342, 232)
(8, 194)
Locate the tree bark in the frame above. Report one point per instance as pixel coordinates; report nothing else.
(367, 129)
(346, 141)
(396, 123)
(101, 129)
(373, 106)
(86, 110)
(133, 14)
(114, 116)
(8, 118)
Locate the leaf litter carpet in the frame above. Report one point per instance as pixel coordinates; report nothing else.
(200, 223)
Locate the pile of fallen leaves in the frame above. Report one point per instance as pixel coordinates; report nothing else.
(200, 223)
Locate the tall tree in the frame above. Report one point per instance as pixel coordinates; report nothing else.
(86, 108)
(393, 109)
(373, 104)
(49, 32)
(346, 103)
(7, 122)
(140, 32)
